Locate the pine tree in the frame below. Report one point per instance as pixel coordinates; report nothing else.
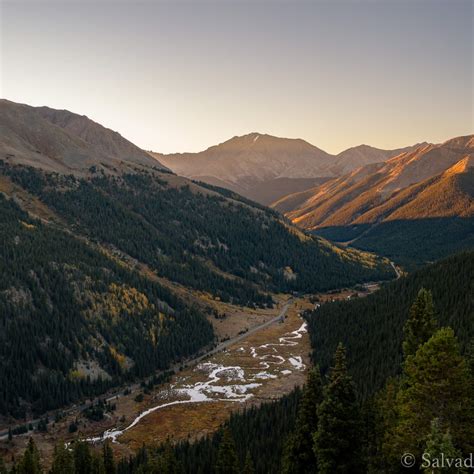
(30, 461)
(337, 443)
(421, 323)
(227, 462)
(82, 458)
(440, 444)
(167, 463)
(436, 384)
(63, 462)
(3, 468)
(298, 454)
(97, 464)
(470, 357)
(108, 457)
(384, 423)
(248, 466)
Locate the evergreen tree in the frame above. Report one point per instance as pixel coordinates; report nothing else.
(298, 452)
(30, 461)
(3, 468)
(440, 444)
(167, 463)
(108, 457)
(248, 466)
(337, 443)
(421, 323)
(470, 357)
(97, 463)
(227, 462)
(82, 458)
(384, 423)
(63, 462)
(436, 384)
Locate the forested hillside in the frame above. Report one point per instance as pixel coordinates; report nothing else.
(372, 328)
(74, 322)
(410, 243)
(358, 424)
(199, 237)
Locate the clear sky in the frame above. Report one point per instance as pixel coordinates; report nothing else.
(182, 76)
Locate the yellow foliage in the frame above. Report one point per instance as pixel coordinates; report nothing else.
(75, 374)
(120, 299)
(120, 358)
(27, 226)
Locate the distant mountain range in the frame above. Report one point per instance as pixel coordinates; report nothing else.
(265, 168)
(379, 206)
(399, 188)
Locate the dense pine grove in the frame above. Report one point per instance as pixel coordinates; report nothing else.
(61, 302)
(371, 328)
(182, 233)
(427, 410)
(411, 243)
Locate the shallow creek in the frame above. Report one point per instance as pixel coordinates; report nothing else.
(218, 381)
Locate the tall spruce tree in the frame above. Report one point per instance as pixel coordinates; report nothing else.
(436, 384)
(3, 467)
(298, 456)
(82, 458)
(227, 462)
(439, 445)
(63, 461)
(167, 462)
(337, 441)
(108, 456)
(248, 466)
(97, 463)
(30, 461)
(421, 322)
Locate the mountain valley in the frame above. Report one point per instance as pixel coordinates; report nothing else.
(141, 307)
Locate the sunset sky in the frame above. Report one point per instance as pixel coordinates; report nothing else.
(182, 76)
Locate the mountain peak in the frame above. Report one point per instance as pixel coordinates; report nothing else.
(62, 141)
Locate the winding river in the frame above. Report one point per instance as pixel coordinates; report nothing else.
(227, 383)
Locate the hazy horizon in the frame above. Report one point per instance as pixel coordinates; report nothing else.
(181, 77)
